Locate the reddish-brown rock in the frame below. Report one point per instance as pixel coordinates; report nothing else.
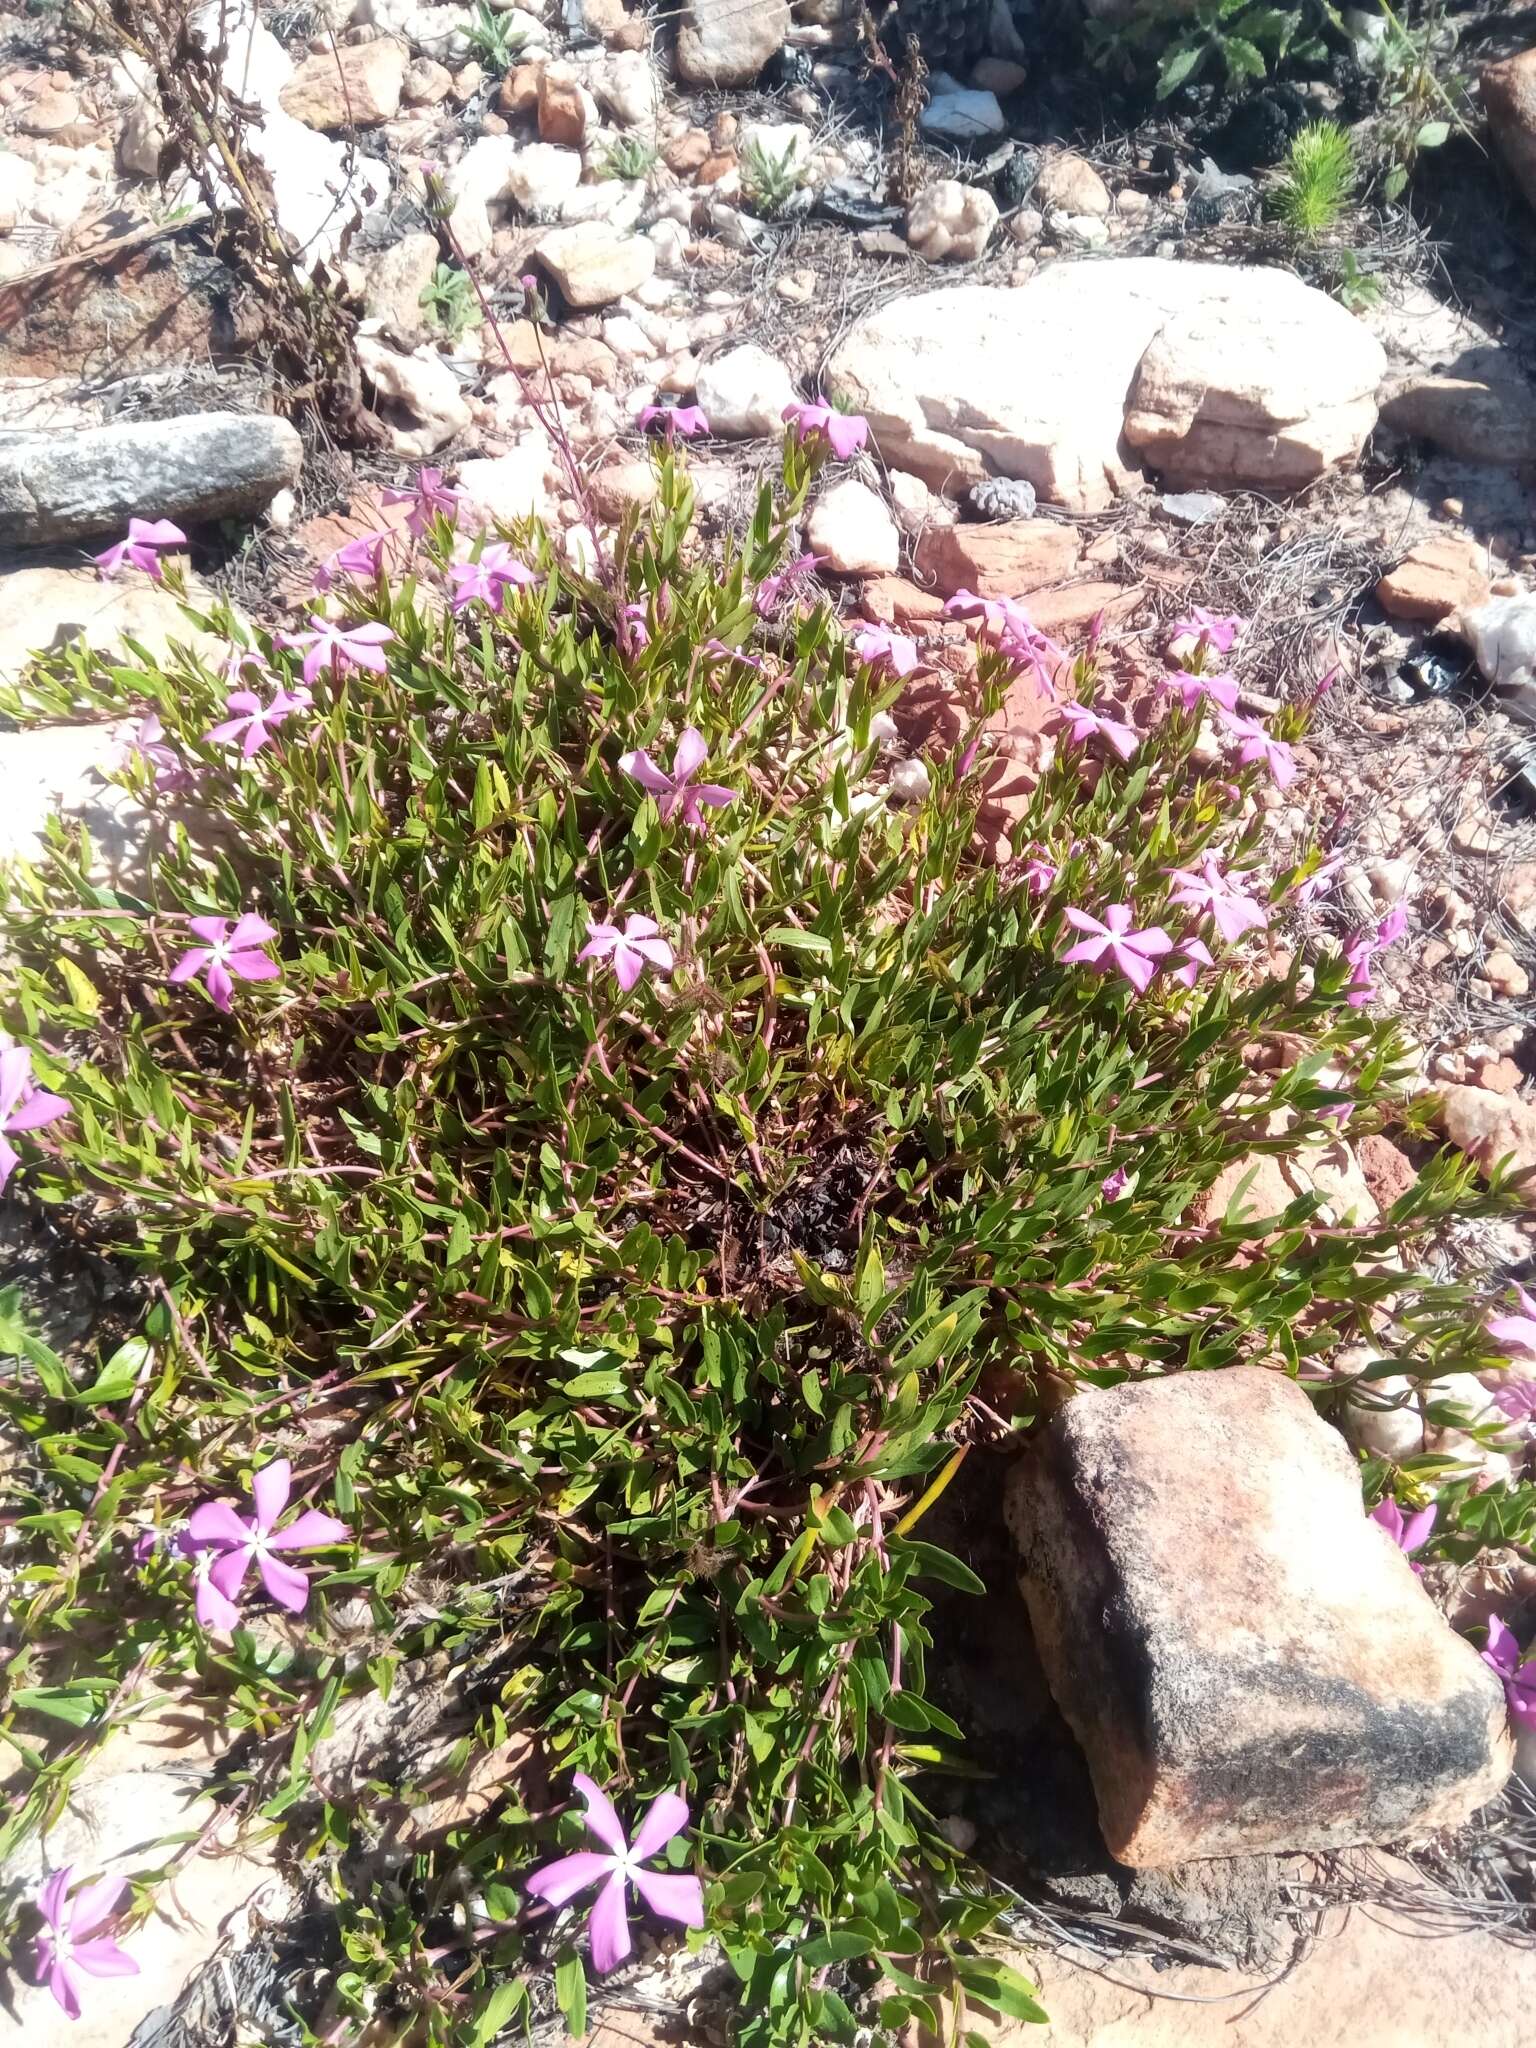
(893, 601)
(1069, 610)
(1438, 577)
(518, 94)
(356, 86)
(1509, 100)
(1010, 559)
(1389, 1173)
(1252, 1188)
(1489, 1128)
(1248, 1662)
(563, 108)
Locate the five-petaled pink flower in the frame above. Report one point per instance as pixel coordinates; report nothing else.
(844, 432)
(678, 791)
(70, 1944)
(638, 946)
(257, 721)
(1082, 723)
(673, 1895)
(241, 1542)
(227, 951)
(333, 644)
(1039, 873)
(1259, 744)
(1193, 954)
(360, 558)
(1202, 630)
(429, 497)
(142, 549)
(1516, 1399)
(1216, 895)
(1192, 690)
(148, 743)
(1408, 1532)
(489, 579)
(1516, 1333)
(1503, 1656)
(1113, 942)
(23, 1105)
(880, 648)
(1005, 621)
(770, 593)
(673, 422)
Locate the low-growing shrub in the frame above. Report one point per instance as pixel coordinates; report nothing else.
(570, 1090)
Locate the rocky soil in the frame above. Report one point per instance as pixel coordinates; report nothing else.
(1095, 381)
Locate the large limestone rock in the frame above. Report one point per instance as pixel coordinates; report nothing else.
(721, 42)
(1491, 1128)
(594, 264)
(46, 608)
(1248, 1662)
(353, 87)
(205, 465)
(1450, 382)
(1509, 99)
(744, 393)
(1258, 380)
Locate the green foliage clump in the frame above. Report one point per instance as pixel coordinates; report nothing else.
(770, 180)
(1231, 41)
(1317, 181)
(632, 1333)
(450, 302)
(496, 40)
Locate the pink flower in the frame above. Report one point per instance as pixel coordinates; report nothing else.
(844, 432)
(23, 1105)
(1516, 1399)
(1503, 1656)
(880, 648)
(1339, 1112)
(1039, 874)
(1114, 1185)
(1513, 1333)
(673, 422)
(142, 549)
(638, 946)
(359, 559)
(429, 498)
(772, 590)
(227, 952)
(489, 579)
(149, 743)
(333, 646)
(1113, 943)
(1191, 690)
(258, 721)
(1215, 895)
(212, 1609)
(1005, 621)
(1320, 881)
(1410, 1534)
(1259, 745)
(672, 1895)
(240, 1542)
(1201, 630)
(1082, 724)
(71, 1943)
(1193, 955)
(678, 791)
(1359, 952)
(634, 628)
(1392, 926)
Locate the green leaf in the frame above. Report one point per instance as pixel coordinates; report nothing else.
(571, 1992)
(932, 1563)
(119, 1375)
(1433, 135)
(1180, 65)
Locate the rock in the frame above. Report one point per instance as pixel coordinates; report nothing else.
(744, 393)
(955, 115)
(18, 187)
(1247, 1661)
(43, 609)
(1449, 382)
(627, 85)
(141, 141)
(1244, 1192)
(720, 42)
(419, 399)
(565, 110)
(1490, 1128)
(1270, 388)
(1191, 508)
(593, 264)
(426, 84)
(1440, 576)
(951, 223)
(53, 116)
(1009, 559)
(1032, 382)
(1502, 633)
(200, 466)
(353, 85)
(1071, 185)
(1505, 975)
(542, 178)
(1389, 1172)
(851, 527)
(1509, 101)
(517, 485)
(1000, 75)
(397, 277)
(478, 181)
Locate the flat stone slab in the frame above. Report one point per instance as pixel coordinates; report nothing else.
(1247, 1660)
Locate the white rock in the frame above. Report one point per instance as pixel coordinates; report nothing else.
(142, 139)
(723, 42)
(852, 529)
(1503, 637)
(627, 85)
(786, 143)
(441, 33)
(482, 178)
(423, 402)
(910, 781)
(541, 176)
(1256, 377)
(517, 485)
(18, 187)
(673, 242)
(1396, 1432)
(915, 505)
(617, 201)
(955, 115)
(951, 223)
(593, 264)
(744, 393)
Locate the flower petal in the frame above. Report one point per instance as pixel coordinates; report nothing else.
(104, 1959)
(94, 1903)
(608, 1925)
(602, 1820)
(227, 1572)
(254, 967)
(270, 1490)
(639, 767)
(216, 1522)
(563, 1879)
(287, 1585)
(692, 752)
(50, 1900)
(190, 963)
(220, 987)
(675, 1896)
(39, 1108)
(627, 966)
(668, 1817)
(310, 1531)
(212, 1609)
(62, 1983)
(1417, 1527)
